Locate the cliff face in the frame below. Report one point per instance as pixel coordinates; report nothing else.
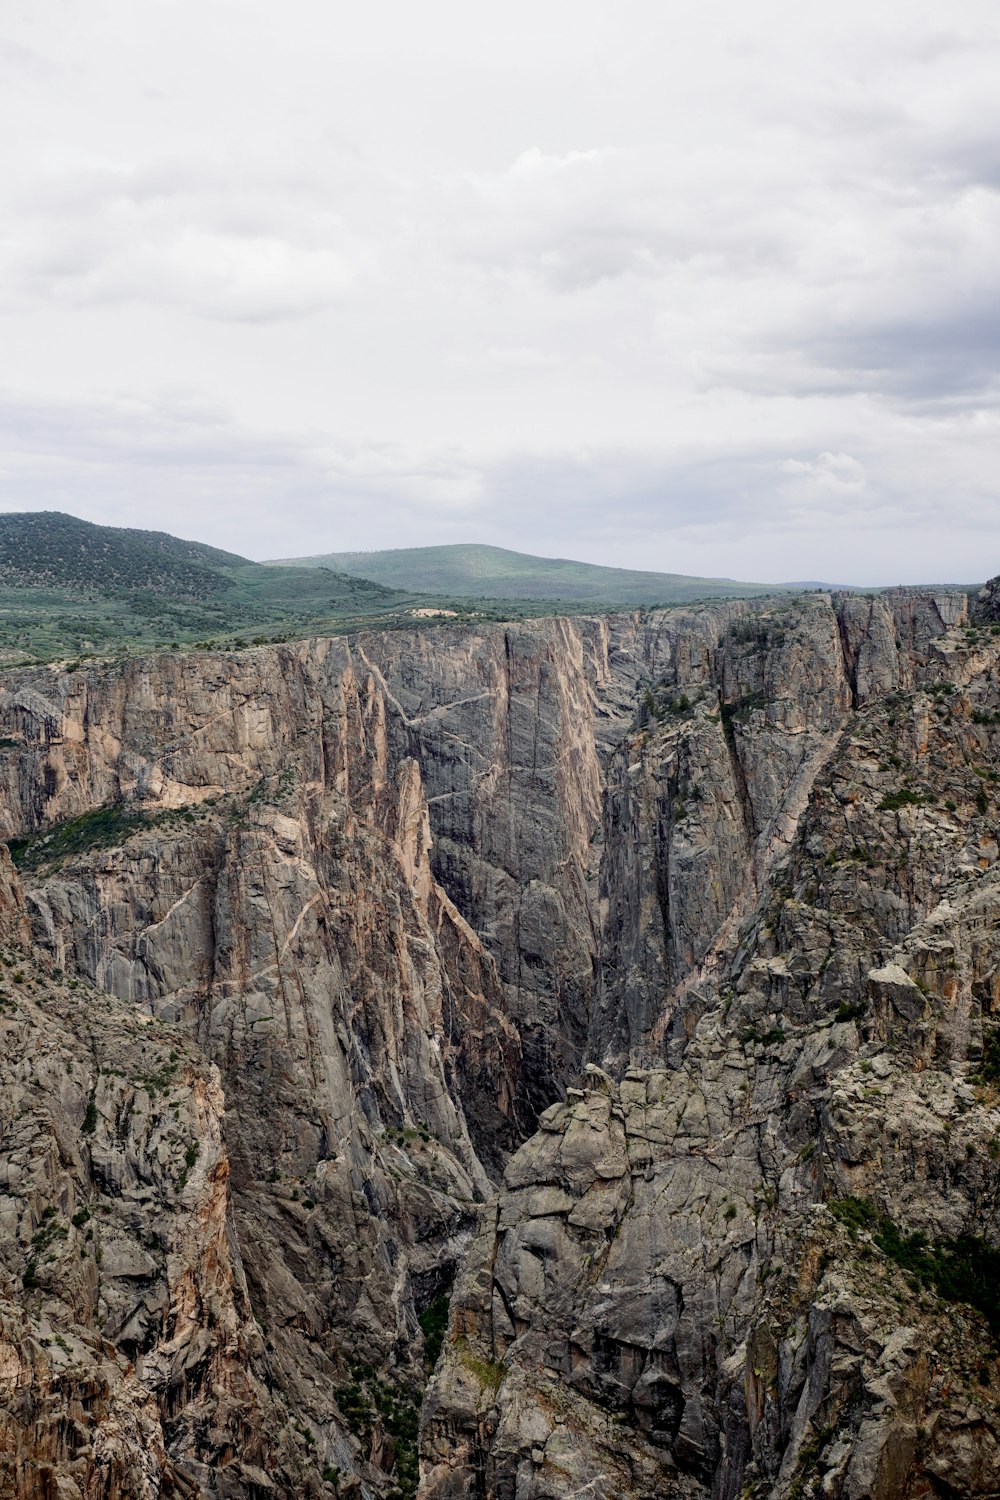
(380, 903)
(279, 910)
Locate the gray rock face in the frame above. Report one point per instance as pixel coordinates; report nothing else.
(661, 1253)
(734, 866)
(125, 1324)
(290, 926)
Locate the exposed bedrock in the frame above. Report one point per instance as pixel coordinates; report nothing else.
(710, 891)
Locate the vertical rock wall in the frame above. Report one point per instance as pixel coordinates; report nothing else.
(737, 860)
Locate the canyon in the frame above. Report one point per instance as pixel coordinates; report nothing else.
(520, 1062)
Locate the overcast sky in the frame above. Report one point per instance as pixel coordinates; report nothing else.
(707, 287)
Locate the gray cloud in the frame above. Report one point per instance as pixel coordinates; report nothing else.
(16, 59)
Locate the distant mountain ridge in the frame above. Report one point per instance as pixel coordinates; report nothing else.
(475, 571)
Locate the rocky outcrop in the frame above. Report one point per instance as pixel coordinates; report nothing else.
(285, 918)
(391, 896)
(130, 1359)
(759, 1263)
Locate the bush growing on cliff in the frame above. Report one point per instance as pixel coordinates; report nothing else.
(433, 1324)
(773, 1037)
(989, 1069)
(854, 1213)
(892, 801)
(105, 828)
(739, 711)
(966, 1269)
(367, 1397)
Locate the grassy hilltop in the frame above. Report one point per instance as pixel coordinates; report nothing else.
(472, 571)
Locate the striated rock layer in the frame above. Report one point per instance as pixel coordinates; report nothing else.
(639, 973)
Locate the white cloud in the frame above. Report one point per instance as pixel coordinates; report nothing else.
(680, 286)
(829, 471)
(225, 239)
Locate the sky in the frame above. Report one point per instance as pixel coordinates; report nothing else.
(707, 287)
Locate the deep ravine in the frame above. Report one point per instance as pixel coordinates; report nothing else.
(625, 986)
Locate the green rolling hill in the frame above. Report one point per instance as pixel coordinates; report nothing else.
(472, 571)
(70, 588)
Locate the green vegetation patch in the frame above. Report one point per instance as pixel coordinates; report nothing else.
(661, 702)
(47, 1232)
(989, 1069)
(158, 1082)
(892, 801)
(739, 711)
(966, 1269)
(74, 590)
(433, 1325)
(46, 549)
(773, 1037)
(105, 828)
(758, 632)
(809, 1459)
(365, 1398)
(488, 1372)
